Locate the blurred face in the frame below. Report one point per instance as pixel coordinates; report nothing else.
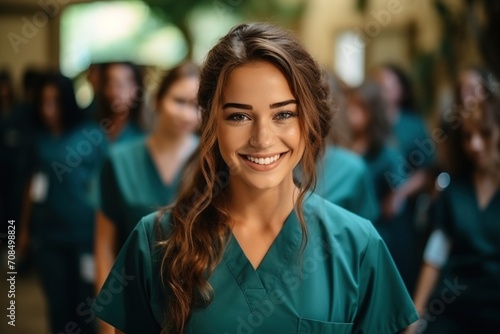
(49, 109)
(471, 89)
(258, 127)
(358, 117)
(120, 89)
(390, 86)
(178, 109)
(481, 143)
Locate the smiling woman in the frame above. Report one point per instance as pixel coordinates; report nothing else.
(257, 253)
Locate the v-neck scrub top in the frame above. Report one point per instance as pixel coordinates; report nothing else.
(344, 282)
(131, 186)
(474, 258)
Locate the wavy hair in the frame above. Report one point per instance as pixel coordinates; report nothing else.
(199, 219)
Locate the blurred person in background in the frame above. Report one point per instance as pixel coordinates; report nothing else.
(343, 177)
(409, 136)
(466, 241)
(466, 215)
(121, 100)
(142, 175)
(370, 129)
(16, 124)
(58, 220)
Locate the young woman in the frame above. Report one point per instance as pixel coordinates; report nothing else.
(58, 219)
(370, 129)
(244, 249)
(465, 245)
(141, 175)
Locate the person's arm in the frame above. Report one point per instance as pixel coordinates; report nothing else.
(105, 254)
(392, 203)
(117, 331)
(104, 247)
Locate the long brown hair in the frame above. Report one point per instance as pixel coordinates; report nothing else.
(199, 219)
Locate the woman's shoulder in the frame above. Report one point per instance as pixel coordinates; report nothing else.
(327, 218)
(154, 227)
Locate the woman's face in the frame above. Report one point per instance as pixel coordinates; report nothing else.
(358, 117)
(178, 109)
(49, 109)
(390, 86)
(120, 89)
(258, 127)
(481, 143)
(471, 89)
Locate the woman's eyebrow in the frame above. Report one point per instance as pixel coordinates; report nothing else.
(282, 104)
(249, 107)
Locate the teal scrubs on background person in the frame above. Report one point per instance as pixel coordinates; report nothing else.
(62, 221)
(131, 186)
(344, 179)
(379, 165)
(417, 152)
(343, 282)
(473, 265)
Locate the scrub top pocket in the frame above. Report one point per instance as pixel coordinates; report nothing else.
(309, 326)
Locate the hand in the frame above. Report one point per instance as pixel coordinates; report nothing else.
(392, 204)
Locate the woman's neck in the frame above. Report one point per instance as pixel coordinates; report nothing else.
(165, 141)
(360, 143)
(118, 124)
(259, 208)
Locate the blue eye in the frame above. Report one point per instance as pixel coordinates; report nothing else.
(284, 115)
(237, 117)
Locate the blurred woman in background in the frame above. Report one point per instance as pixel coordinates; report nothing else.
(467, 214)
(57, 217)
(409, 136)
(121, 101)
(343, 177)
(370, 129)
(140, 176)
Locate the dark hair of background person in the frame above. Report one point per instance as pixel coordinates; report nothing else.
(407, 102)
(105, 110)
(69, 111)
(184, 70)
(31, 82)
(6, 91)
(487, 116)
(369, 95)
(200, 220)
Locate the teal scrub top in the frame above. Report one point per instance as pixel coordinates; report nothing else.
(379, 164)
(344, 179)
(130, 132)
(344, 282)
(131, 186)
(67, 163)
(411, 139)
(474, 259)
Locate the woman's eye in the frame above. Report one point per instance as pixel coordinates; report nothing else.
(237, 117)
(284, 115)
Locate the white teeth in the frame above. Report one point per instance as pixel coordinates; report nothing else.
(264, 161)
